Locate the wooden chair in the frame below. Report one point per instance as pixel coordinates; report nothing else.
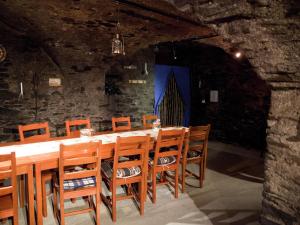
(195, 151)
(146, 119)
(121, 124)
(8, 194)
(76, 124)
(126, 172)
(35, 136)
(166, 158)
(72, 183)
(73, 130)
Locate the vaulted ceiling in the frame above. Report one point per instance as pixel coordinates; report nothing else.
(79, 28)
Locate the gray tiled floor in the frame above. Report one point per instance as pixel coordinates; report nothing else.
(231, 195)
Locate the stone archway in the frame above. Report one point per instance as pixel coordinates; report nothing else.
(266, 31)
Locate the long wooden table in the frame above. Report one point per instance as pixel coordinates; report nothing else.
(47, 161)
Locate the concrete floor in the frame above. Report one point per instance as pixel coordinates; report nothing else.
(232, 194)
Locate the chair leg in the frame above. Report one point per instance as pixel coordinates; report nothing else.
(114, 203)
(55, 203)
(201, 173)
(176, 183)
(183, 168)
(161, 177)
(15, 220)
(153, 187)
(204, 166)
(62, 210)
(146, 186)
(141, 197)
(98, 204)
(15, 208)
(44, 198)
(129, 189)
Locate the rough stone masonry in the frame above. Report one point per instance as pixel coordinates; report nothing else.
(40, 41)
(268, 34)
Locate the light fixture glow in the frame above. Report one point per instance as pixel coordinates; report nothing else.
(238, 55)
(118, 44)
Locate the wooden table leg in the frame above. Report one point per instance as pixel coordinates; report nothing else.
(38, 181)
(22, 190)
(30, 194)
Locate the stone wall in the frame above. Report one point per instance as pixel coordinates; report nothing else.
(268, 34)
(267, 31)
(282, 186)
(81, 95)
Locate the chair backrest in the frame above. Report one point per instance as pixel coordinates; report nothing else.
(73, 126)
(148, 121)
(169, 143)
(135, 149)
(78, 155)
(8, 172)
(36, 134)
(121, 123)
(198, 137)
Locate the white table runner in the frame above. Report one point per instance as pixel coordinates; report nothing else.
(32, 149)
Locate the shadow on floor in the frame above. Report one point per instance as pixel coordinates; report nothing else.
(221, 217)
(237, 166)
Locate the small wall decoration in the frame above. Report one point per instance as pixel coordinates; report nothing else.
(214, 96)
(130, 67)
(54, 82)
(21, 95)
(2, 53)
(145, 70)
(137, 81)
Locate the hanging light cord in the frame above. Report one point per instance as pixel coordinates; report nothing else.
(118, 15)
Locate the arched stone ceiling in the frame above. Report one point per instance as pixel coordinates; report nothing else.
(82, 30)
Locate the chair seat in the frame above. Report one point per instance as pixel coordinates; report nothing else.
(164, 161)
(79, 183)
(107, 168)
(193, 154)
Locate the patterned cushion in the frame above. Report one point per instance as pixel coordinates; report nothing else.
(79, 183)
(163, 161)
(193, 154)
(107, 168)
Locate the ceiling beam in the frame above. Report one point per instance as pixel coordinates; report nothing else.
(159, 12)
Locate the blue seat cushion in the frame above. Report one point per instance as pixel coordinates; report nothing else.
(79, 183)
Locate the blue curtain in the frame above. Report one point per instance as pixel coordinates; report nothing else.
(162, 76)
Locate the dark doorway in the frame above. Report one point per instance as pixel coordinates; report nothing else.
(171, 109)
(238, 114)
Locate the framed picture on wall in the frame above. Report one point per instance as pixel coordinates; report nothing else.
(214, 96)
